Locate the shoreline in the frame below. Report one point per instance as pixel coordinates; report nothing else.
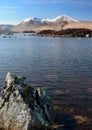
(81, 32)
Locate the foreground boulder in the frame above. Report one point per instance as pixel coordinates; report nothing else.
(23, 107)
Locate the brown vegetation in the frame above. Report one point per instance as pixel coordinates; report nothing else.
(75, 32)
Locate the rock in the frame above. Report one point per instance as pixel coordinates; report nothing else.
(23, 107)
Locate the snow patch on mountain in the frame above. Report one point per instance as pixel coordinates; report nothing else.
(46, 20)
(65, 18)
(32, 19)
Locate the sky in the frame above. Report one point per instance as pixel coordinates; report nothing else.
(15, 11)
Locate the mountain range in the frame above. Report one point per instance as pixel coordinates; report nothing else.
(37, 24)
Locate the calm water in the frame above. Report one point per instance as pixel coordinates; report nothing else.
(62, 66)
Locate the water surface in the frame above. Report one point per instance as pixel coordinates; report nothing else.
(62, 66)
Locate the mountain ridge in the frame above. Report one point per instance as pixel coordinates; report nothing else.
(65, 17)
(37, 24)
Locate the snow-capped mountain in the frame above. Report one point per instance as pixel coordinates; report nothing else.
(62, 17)
(37, 24)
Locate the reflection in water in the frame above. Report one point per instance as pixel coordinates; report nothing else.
(62, 66)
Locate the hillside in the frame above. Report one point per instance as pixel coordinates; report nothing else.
(79, 24)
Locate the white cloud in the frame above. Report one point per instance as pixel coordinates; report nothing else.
(9, 7)
(85, 3)
(40, 1)
(13, 22)
(73, 2)
(28, 1)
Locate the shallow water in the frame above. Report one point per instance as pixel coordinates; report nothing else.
(62, 66)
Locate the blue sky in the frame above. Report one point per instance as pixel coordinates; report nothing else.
(14, 11)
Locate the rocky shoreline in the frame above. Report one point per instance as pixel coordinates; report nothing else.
(23, 107)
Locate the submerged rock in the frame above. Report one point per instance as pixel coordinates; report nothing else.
(23, 107)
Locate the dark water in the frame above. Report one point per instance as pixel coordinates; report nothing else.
(62, 66)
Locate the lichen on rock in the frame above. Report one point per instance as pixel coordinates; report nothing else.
(23, 107)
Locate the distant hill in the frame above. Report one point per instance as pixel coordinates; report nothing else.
(6, 27)
(36, 24)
